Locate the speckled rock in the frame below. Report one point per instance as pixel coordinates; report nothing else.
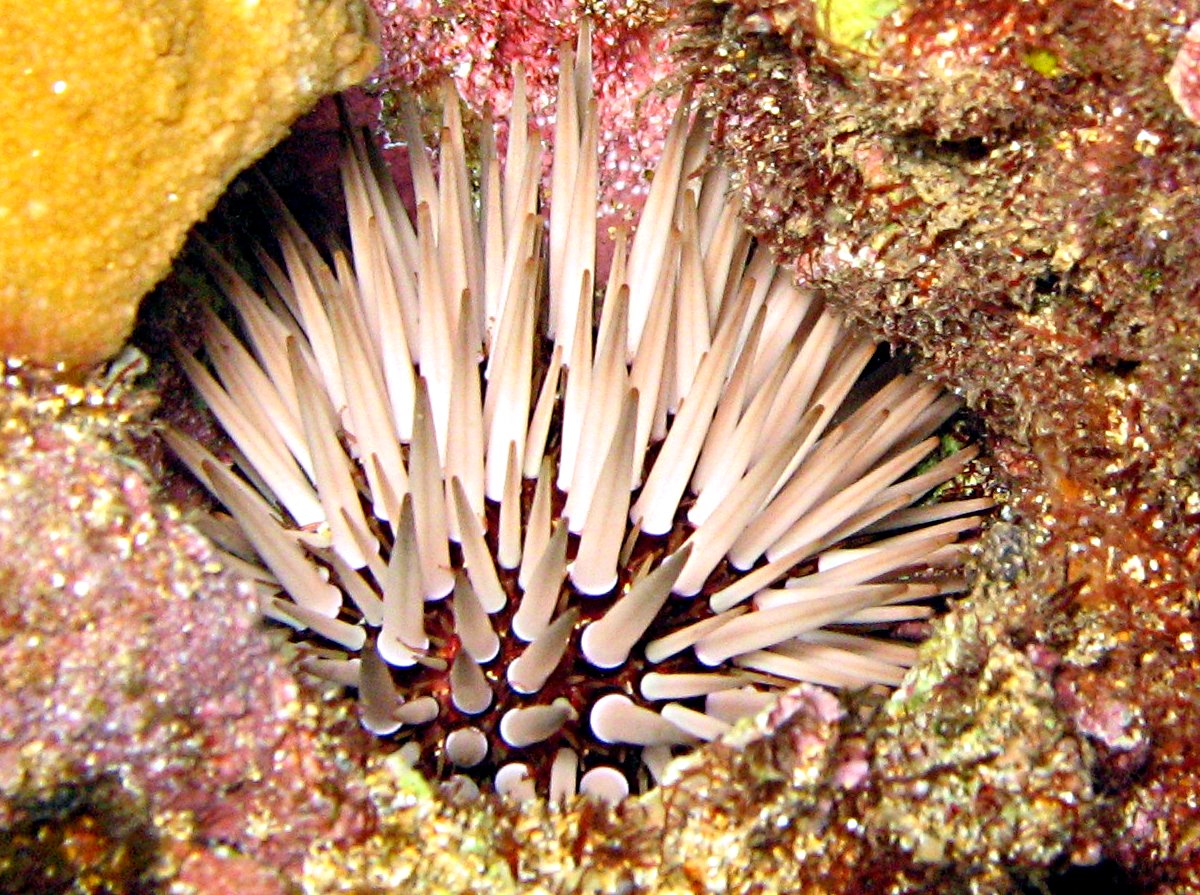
(131, 655)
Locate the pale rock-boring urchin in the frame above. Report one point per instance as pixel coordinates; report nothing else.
(492, 506)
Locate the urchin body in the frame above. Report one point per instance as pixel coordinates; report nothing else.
(552, 532)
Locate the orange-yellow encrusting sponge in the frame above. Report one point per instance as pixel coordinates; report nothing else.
(121, 121)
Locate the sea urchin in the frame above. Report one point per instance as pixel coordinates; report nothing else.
(492, 514)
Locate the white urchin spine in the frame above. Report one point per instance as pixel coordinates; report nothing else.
(386, 410)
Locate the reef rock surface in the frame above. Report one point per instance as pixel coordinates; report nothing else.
(148, 728)
(1009, 190)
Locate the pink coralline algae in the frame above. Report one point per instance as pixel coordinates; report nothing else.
(476, 44)
(130, 653)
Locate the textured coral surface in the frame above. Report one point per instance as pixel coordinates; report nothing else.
(122, 124)
(130, 655)
(1009, 189)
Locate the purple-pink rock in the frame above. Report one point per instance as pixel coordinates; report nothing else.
(129, 652)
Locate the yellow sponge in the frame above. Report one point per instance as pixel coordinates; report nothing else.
(121, 121)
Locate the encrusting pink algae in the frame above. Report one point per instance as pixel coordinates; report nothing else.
(133, 657)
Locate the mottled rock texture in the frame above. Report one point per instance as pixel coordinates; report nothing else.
(139, 684)
(476, 43)
(1008, 190)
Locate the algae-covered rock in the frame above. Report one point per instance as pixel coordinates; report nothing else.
(120, 124)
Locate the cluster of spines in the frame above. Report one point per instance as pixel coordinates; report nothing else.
(706, 437)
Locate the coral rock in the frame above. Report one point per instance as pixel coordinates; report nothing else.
(975, 192)
(134, 656)
(122, 125)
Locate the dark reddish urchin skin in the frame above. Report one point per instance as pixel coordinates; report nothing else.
(575, 679)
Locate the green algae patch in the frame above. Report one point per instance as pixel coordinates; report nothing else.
(851, 24)
(1044, 62)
